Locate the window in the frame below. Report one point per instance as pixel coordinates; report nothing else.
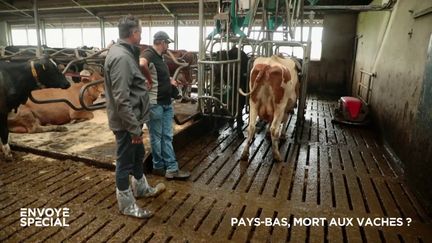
(91, 37)
(316, 43)
(19, 37)
(54, 38)
(298, 52)
(187, 38)
(72, 37)
(111, 34)
(31, 37)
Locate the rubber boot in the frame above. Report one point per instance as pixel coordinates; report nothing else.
(128, 206)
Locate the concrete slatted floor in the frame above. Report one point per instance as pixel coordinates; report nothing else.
(334, 172)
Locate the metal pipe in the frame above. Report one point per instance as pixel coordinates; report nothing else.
(373, 74)
(44, 39)
(36, 19)
(201, 48)
(176, 21)
(422, 12)
(102, 30)
(9, 34)
(92, 107)
(169, 12)
(85, 9)
(15, 8)
(304, 81)
(360, 8)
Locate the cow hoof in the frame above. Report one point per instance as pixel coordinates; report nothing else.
(61, 129)
(282, 139)
(244, 156)
(277, 158)
(240, 134)
(8, 158)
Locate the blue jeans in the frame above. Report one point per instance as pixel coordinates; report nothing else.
(161, 137)
(130, 159)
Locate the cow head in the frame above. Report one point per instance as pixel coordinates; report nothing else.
(47, 74)
(94, 91)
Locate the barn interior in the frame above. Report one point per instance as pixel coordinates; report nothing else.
(329, 170)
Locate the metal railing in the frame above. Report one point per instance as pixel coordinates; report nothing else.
(92, 107)
(364, 90)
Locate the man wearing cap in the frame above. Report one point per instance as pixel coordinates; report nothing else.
(161, 109)
(127, 104)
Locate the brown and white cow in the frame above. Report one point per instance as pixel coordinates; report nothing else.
(273, 93)
(34, 118)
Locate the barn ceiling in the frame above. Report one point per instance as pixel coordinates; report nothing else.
(90, 11)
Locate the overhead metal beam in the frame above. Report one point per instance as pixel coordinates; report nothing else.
(77, 17)
(85, 9)
(166, 8)
(359, 8)
(103, 5)
(15, 8)
(169, 11)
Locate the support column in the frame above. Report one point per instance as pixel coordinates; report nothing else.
(43, 30)
(4, 39)
(38, 38)
(201, 49)
(176, 33)
(63, 36)
(102, 29)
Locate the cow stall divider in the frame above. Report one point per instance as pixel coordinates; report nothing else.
(94, 60)
(218, 90)
(60, 55)
(95, 106)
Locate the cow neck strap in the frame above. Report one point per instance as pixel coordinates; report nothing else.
(35, 76)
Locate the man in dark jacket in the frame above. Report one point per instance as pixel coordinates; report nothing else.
(128, 109)
(161, 109)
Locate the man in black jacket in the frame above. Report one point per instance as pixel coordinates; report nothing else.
(128, 109)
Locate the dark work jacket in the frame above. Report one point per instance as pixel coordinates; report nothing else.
(127, 98)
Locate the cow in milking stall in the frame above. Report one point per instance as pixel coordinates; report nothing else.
(17, 80)
(183, 60)
(273, 94)
(232, 54)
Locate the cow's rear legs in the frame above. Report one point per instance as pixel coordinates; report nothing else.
(251, 132)
(239, 127)
(6, 151)
(275, 132)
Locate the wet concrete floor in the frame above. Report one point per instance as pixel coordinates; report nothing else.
(336, 177)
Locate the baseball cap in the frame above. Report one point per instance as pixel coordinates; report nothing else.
(162, 35)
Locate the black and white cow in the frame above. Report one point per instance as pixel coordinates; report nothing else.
(232, 54)
(17, 80)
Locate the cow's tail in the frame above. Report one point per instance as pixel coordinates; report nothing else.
(260, 74)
